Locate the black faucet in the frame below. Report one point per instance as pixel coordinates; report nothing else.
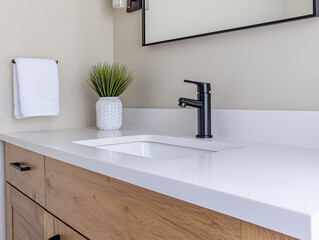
(202, 104)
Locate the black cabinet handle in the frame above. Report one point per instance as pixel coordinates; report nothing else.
(20, 167)
(56, 237)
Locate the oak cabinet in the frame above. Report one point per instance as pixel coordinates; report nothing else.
(54, 227)
(26, 220)
(73, 203)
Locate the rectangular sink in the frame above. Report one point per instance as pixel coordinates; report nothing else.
(158, 146)
(154, 150)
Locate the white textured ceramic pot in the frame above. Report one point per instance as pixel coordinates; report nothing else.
(109, 113)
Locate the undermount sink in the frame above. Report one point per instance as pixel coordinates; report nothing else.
(158, 146)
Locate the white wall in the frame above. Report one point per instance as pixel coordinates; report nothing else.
(78, 33)
(273, 67)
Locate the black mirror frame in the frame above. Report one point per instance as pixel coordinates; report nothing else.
(314, 14)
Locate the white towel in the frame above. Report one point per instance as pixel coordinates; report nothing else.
(35, 87)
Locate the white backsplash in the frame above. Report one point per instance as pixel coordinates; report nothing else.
(294, 128)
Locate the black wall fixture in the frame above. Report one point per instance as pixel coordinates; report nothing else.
(134, 5)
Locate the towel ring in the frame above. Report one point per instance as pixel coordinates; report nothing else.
(57, 62)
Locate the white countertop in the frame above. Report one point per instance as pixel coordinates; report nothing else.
(270, 185)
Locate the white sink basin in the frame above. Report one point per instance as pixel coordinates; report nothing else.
(154, 150)
(157, 146)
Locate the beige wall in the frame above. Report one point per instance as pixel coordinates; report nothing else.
(272, 67)
(76, 32)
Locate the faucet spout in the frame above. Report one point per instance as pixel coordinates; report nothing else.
(183, 102)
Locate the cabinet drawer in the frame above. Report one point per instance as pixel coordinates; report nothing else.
(26, 220)
(29, 181)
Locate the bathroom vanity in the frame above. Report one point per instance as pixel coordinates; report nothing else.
(54, 198)
(76, 188)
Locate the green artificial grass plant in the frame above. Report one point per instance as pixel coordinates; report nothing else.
(109, 80)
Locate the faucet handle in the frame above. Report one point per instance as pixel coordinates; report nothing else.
(202, 87)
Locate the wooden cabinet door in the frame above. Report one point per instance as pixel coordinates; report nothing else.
(54, 227)
(25, 218)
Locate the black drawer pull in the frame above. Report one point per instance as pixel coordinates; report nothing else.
(21, 168)
(56, 237)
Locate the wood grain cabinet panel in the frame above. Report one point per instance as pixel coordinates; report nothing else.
(32, 182)
(54, 227)
(104, 208)
(8, 213)
(25, 218)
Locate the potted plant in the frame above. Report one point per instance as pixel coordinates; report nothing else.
(109, 81)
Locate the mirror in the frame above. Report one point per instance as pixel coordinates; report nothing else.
(168, 20)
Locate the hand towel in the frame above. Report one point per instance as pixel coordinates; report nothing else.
(35, 87)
